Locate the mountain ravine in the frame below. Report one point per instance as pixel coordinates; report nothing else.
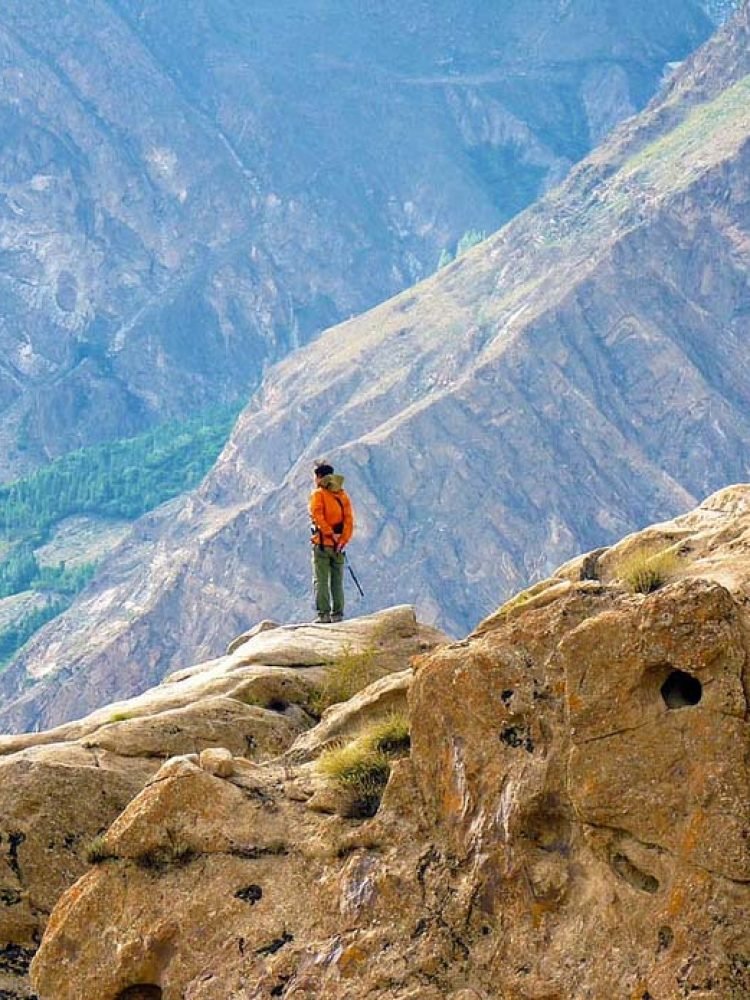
(190, 190)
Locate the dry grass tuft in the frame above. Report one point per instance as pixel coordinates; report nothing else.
(97, 851)
(390, 735)
(644, 570)
(120, 717)
(360, 769)
(345, 676)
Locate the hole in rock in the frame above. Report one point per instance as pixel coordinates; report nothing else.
(141, 991)
(633, 875)
(277, 705)
(547, 826)
(666, 937)
(517, 737)
(680, 690)
(250, 894)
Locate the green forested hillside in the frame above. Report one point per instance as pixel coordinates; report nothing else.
(120, 479)
(117, 479)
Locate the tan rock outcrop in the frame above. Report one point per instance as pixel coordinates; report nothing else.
(55, 801)
(572, 821)
(217, 761)
(61, 790)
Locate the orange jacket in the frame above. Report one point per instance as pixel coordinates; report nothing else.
(331, 513)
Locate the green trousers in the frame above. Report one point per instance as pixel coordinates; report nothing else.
(328, 580)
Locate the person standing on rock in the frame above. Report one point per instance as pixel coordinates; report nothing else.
(331, 527)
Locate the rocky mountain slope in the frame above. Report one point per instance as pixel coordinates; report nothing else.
(63, 788)
(570, 819)
(188, 191)
(583, 371)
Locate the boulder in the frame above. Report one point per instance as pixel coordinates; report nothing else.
(217, 761)
(56, 800)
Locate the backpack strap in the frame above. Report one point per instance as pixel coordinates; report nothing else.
(339, 527)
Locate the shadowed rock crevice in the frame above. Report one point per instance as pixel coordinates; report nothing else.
(276, 945)
(548, 826)
(15, 840)
(632, 874)
(15, 959)
(665, 938)
(517, 737)
(141, 991)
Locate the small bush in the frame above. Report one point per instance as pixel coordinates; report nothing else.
(176, 851)
(390, 735)
(97, 851)
(345, 676)
(361, 769)
(119, 717)
(358, 771)
(644, 570)
(161, 857)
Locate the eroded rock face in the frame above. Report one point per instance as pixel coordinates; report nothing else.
(60, 790)
(572, 820)
(55, 801)
(601, 830)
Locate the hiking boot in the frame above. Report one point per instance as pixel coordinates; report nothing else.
(337, 616)
(323, 619)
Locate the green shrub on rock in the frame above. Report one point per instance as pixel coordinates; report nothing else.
(360, 769)
(345, 676)
(644, 570)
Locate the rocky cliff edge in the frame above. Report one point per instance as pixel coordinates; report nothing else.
(572, 818)
(62, 789)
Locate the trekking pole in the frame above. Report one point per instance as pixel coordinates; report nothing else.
(356, 581)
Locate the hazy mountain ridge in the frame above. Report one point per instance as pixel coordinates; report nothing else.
(189, 191)
(559, 385)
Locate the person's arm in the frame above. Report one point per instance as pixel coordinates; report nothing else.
(318, 514)
(348, 531)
